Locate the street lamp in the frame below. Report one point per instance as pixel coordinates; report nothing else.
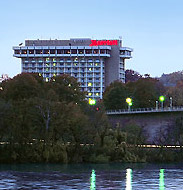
(161, 99)
(170, 102)
(129, 102)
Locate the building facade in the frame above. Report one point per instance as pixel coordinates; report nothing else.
(94, 63)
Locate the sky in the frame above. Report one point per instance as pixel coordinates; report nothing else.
(152, 28)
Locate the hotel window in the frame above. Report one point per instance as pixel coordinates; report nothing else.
(68, 60)
(17, 51)
(67, 51)
(102, 51)
(39, 51)
(60, 51)
(88, 51)
(24, 51)
(31, 51)
(74, 51)
(46, 51)
(81, 51)
(95, 51)
(52, 51)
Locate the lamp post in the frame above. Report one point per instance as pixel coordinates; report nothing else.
(171, 103)
(129, 102)
(161, 99)
(156, 105)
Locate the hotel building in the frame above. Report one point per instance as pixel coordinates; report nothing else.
(94, 63)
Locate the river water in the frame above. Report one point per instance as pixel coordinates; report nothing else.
(92, 176)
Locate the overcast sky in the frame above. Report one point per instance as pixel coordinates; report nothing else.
(153, 28)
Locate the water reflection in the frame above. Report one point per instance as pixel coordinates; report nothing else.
(161, 180)
(92, 180)
(129, 179)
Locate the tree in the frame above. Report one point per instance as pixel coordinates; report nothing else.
(67, 88)
(131, 76)
(22, 86)
(144, 92)
(115, 96)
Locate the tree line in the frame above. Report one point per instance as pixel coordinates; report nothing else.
(53, 122)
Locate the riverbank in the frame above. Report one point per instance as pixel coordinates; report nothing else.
(39, 152)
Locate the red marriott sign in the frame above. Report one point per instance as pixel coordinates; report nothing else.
(104, 42)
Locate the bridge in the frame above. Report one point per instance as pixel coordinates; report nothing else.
(155, 123)
(145, 110)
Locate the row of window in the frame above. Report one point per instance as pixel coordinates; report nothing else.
(61, 65)
(125, 53)
(26, 60)
(63, 51)
(82, 70)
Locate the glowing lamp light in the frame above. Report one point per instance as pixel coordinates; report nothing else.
(92, 101)
(129, 101)
(130, 104)
(161, 98)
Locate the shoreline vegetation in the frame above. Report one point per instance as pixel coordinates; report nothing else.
(51, 122)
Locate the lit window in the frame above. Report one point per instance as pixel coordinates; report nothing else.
(40, 74)
(89, 94)
(97, 94)
(54, 75)
(89, 84)
(47, 79)
(47, 59)
(90, 69)
(54, 64)
(46, 51)
(54, 60)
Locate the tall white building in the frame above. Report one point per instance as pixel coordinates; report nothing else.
(95, 63)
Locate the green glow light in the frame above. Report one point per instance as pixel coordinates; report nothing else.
(92, 180)
(92, 101)
(161, 98)
(161, 180)
(130, 104)
(128, 179)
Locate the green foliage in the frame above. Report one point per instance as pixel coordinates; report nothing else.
(115, 95)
